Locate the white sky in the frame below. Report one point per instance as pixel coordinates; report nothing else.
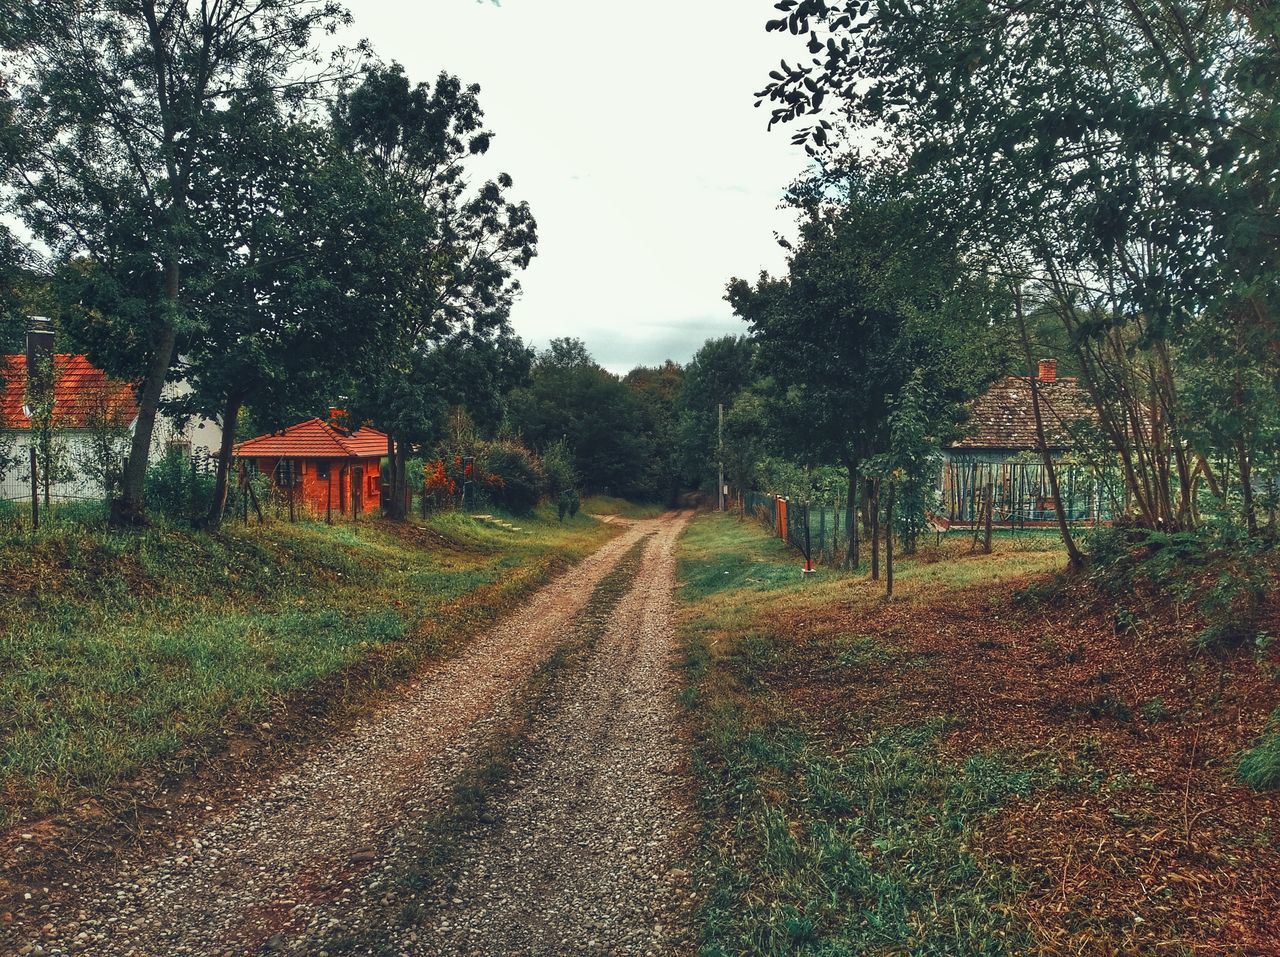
(631, 131)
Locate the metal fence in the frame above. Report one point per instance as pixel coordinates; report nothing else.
(814, 530)
(1021, 495)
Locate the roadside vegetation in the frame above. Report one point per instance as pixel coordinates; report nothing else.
(608, 505)
(139, 653)
(972, 767)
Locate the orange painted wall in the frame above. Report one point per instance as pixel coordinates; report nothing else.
(314, 493)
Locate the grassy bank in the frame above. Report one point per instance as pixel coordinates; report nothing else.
(129, 653)
(938, 774)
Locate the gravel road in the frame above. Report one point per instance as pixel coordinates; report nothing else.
(583, 855)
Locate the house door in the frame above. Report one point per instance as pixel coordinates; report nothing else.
(357, 490)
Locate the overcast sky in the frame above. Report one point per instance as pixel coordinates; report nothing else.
(631, 131)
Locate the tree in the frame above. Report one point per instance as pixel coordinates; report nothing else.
(452, 282)
(1115, 163)
(289, 223)
(872, 294)
(112, 107)
(571, 398)
(718, 372)
(657, 390)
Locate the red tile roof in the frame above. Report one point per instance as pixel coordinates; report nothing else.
(81, 394)
(1004, 418)
(316, 439)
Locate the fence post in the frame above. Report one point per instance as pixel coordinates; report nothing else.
(35, 492)
(808, 547)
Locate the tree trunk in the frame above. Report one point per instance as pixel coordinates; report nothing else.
(873, 503)
(1074, 557)
(852, 559)
(222, 483)
(888, 542)
(394, 506)
(130, 508)
(1246, 486)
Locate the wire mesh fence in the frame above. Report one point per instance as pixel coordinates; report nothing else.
(1020, 495)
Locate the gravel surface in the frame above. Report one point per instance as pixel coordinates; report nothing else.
(584, 850)
(592, 830)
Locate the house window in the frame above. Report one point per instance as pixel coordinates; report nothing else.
(322, 471)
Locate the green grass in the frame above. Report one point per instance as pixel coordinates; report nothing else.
(817, 844)
(1260, 766)
(607, 505)
(124, 652)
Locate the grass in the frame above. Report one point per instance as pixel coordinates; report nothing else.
(607, 505)
(123, 653)
(1260, 766)
(822, 846)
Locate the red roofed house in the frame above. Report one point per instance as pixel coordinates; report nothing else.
(86, 402)
(332, 470)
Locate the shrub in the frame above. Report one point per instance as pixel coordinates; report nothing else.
(176, 491)
(519, 480)
(1220, 571)
(569, 503)
(1260, 767)
(557, 464)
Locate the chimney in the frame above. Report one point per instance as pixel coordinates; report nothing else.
(1048, 370)
(39, 356)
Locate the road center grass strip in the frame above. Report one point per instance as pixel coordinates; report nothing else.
(129, 653)
(425, 858)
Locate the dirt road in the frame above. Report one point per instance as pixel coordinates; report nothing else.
(580, 851)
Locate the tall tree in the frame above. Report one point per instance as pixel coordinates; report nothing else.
(872, 294)
(1115, 160)
(289, 223)
(571, 398)
(454, 278)
(716, 374)
(657, 390)
(113, 103)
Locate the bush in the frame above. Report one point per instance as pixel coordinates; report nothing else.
(1260, 767)
(569, 503)
(557, 464)
(519, 479)
(176, 491)
(1221, 572)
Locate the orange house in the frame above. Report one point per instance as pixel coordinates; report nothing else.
(331, 470)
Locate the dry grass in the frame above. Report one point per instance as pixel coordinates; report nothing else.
(960, 772)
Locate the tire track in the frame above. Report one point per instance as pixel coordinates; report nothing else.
(305, 839)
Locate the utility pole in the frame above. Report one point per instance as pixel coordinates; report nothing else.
(720, 486)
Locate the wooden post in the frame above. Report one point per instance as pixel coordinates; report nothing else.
(986, 548)
(888, 543)
(293, 466)
(328, 498)
(35, 490)
(253, 497)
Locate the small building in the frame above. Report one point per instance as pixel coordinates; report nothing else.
(999, 455)
(325, 468)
